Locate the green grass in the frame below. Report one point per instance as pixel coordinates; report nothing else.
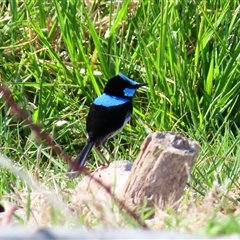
(56, 56)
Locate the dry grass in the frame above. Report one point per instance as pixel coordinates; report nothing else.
(46, 204)
(49, 58)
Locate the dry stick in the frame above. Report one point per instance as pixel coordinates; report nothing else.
(7, 97)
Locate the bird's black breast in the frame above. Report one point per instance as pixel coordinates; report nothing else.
(102, 121)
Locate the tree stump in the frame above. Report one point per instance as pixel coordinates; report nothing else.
(161, 170)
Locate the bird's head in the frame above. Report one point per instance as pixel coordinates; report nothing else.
(122, 86)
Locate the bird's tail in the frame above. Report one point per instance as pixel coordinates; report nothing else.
(80, 160)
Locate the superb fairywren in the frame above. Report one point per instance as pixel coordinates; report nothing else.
(107, 116)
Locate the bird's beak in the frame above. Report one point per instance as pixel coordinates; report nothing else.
(141, 85)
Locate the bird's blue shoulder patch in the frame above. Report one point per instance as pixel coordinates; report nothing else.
(109, 101)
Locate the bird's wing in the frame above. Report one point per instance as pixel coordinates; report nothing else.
(103, 121)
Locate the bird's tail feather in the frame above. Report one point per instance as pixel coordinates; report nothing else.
(81, 159)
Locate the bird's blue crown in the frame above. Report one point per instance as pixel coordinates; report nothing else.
(132, 82)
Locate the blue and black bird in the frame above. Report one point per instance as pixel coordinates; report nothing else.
(108, 114)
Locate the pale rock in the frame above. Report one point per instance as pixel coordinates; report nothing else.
(114, 176)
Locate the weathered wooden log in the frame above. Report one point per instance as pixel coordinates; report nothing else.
(158, 175)
(161, 170)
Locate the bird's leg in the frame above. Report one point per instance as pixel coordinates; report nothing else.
(104, 158)
(110, 153)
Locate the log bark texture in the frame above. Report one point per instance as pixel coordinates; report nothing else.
(161, 170)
